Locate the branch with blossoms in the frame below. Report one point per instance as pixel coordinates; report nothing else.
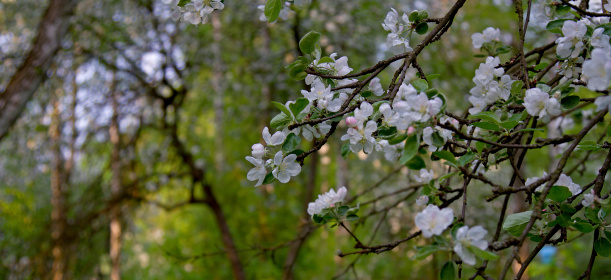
(409, 123)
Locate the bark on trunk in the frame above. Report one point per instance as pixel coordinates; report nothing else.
(58, 214)
(32, 72)
(115, 190)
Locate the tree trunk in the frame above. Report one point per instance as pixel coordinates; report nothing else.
(115, 190)
(58, 214)
(33, 71)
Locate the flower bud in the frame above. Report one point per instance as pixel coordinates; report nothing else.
(351, 121)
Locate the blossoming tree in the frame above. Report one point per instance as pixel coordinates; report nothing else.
(512, 100)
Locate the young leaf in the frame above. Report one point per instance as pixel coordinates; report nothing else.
(282, 108)
(559, 193)
(269, 178)
(291, 142)
(447, 272)
(345, 149)
(487, 126)
(298, 106)
(445, 155)
(483, 254)
(424, 251)
(411, 147)
(387, 132)
(420, 85)
(583, 227)
(398, 139)
(422, 28)
(280, 120)
(272, 9)
(486, 116)
(416, 163)
(602, 247)
(515, 223)
(307, 44)
(352, 217)
(569, 102)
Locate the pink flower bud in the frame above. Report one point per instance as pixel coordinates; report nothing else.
(351, 121)
(410, 130)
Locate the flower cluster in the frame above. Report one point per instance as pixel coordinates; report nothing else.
(489, 35)
(397, 40)
(490, 85)
(194, 12)
(539, 103)
(327, 200)
(283, 167)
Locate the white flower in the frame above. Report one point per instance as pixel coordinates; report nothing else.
(258, 173)
(478, 105)
(317, 92)
(432, 221)
(404, 91)
(362, 114)
(571, 44)
(376, 87)
(597, 71)
(465, 238)
(603, 102)
(538, 103)
(285, 167)
(422, 200)
(339, 67)
(487, 71)
(425, 176)
(273, 140)
(258, 151)
(360, 137)
(500, 88)
(490, 34)
(421, 105)
(598, 39)
(588, 199)
(326, 200)
(390, 151)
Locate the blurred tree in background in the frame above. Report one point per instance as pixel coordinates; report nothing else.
(128, 159)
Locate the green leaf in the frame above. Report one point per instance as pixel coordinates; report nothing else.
(562, 10)
(509, 124)
(516, 87)
(416, 163)
(569, 102)
(516, 223)
(483, 254)
(272, 9)
(486, 116)
(317, 51)
(343, 210)
(541, 66)
(487, 126)
(352, 217)
(559, 193)
(422, 28)
(398, 139)
(583, 227)
(609, 131)
(564, 219)
(588, 145)
(298, 106)
(298, 72)
(420, 85)
(387, 132)
(544, 87)
(445, 155)
(602, 247)
(423, 15)
(269, 178)
(444, 177)
(318, 219)
(326, 59)
(182, 3)
(296, 152)
(366, 93)
(307, 44)
(592, 214)
(447, 272)
(411, 147)
(437, 139)
(555, 26)
(280, 120)
(480, 146)
(282, 108)
(413, 16)
(529, 129)
(345, 149)
(291, 142)
(424, 251)
(466, 158)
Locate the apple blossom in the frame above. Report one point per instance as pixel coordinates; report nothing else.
(433, 221)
